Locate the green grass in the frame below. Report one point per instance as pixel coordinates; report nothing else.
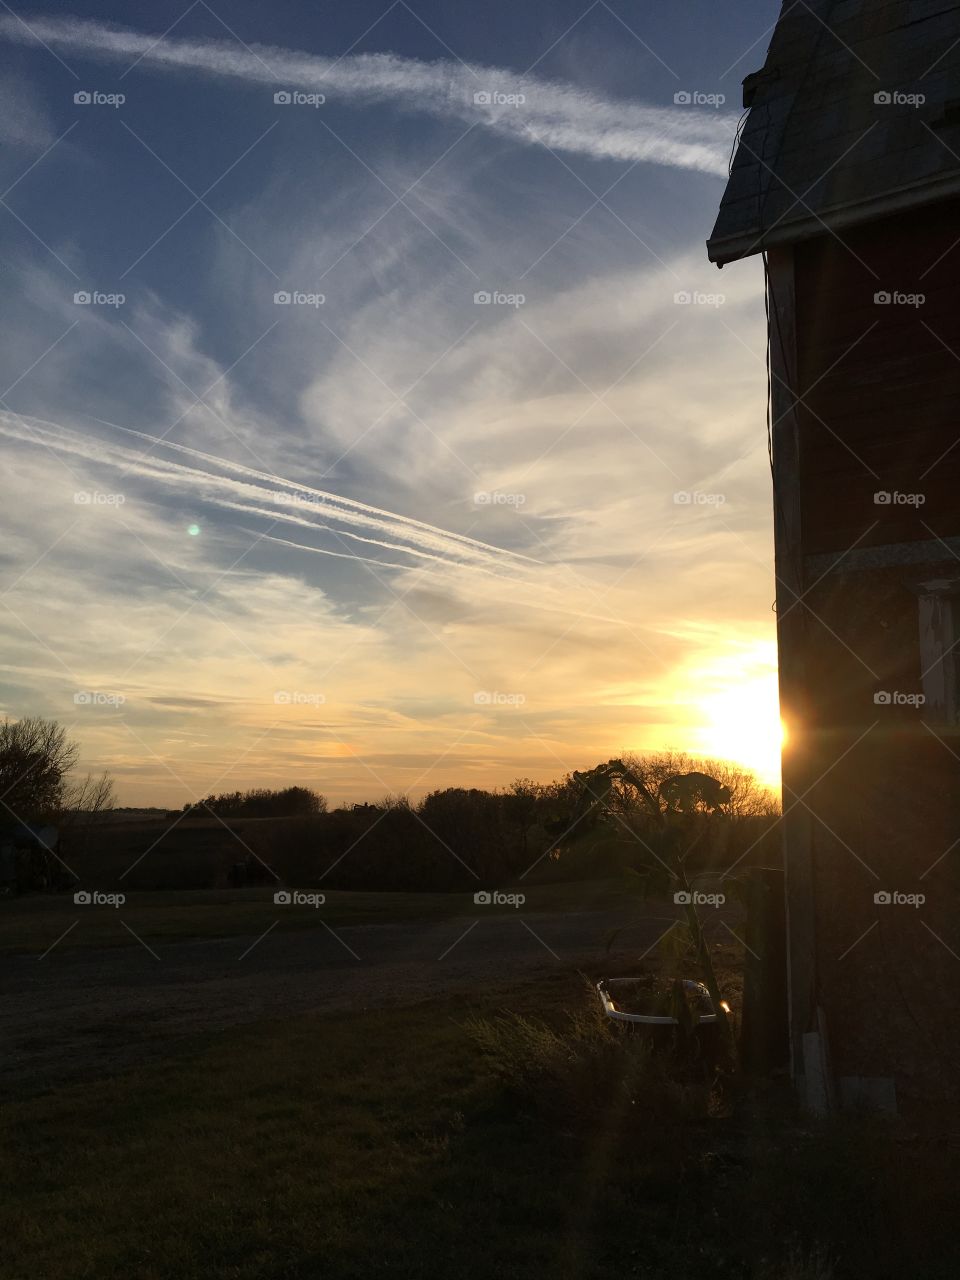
(33, 922)
(376, 1144)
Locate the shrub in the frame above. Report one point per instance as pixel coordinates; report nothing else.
(590, 1067)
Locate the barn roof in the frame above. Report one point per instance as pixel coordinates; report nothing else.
(835, 135)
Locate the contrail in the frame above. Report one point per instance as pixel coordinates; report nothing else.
(298, 490)
(548, 603)
(431, 547)
(397, 533)
(519, 106)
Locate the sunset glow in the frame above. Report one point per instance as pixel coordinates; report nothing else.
(320, 488)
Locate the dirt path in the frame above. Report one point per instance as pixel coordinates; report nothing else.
(83, 1013)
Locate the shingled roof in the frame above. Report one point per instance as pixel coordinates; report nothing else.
(836, 134)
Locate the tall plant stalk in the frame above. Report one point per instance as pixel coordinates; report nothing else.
(596, 789)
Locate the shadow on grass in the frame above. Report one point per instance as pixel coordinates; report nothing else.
(379, 1144)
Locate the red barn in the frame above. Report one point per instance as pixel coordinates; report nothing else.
(846, 179)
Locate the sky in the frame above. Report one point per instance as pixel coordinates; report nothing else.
(371, 417)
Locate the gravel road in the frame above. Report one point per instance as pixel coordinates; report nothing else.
(83, 1013)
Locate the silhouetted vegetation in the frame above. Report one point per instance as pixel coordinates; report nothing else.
(291, 802)
(453, 839)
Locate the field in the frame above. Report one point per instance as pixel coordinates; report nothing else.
(375, 1143)
(310, 1102)
(36, 922)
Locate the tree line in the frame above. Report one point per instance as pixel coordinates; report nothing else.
(260, 802)
(452, 838)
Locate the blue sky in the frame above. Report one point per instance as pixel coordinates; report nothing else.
(419, 524)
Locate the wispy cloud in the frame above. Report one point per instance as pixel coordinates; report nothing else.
(524, 108)
(235, 487)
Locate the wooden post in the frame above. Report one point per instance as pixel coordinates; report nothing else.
(791, 641)
(763, 1034)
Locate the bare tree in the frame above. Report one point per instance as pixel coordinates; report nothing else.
(35, 758)
(749, 798)
(88, 797)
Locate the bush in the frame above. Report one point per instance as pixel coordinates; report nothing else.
(590, 1067)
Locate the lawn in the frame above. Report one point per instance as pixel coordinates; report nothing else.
(378, 1144)
(34, 921)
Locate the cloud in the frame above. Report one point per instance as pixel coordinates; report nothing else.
(23, 122)
(523, 108)
(239, 492)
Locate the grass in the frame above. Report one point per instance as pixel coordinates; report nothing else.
(378, 1144)
(33, 922)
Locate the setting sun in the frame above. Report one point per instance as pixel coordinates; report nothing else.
(741, 720)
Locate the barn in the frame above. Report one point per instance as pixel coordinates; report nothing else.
(846, 182)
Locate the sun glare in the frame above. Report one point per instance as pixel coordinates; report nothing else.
(741, 720)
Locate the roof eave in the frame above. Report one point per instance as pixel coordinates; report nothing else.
(724, 249)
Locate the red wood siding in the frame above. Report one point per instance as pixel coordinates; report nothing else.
(880, 384)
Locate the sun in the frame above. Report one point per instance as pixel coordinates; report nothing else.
(740, 721)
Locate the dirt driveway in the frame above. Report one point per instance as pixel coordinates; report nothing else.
(85, 1012)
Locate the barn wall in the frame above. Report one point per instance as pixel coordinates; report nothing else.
(880, 780)
(882, 409)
